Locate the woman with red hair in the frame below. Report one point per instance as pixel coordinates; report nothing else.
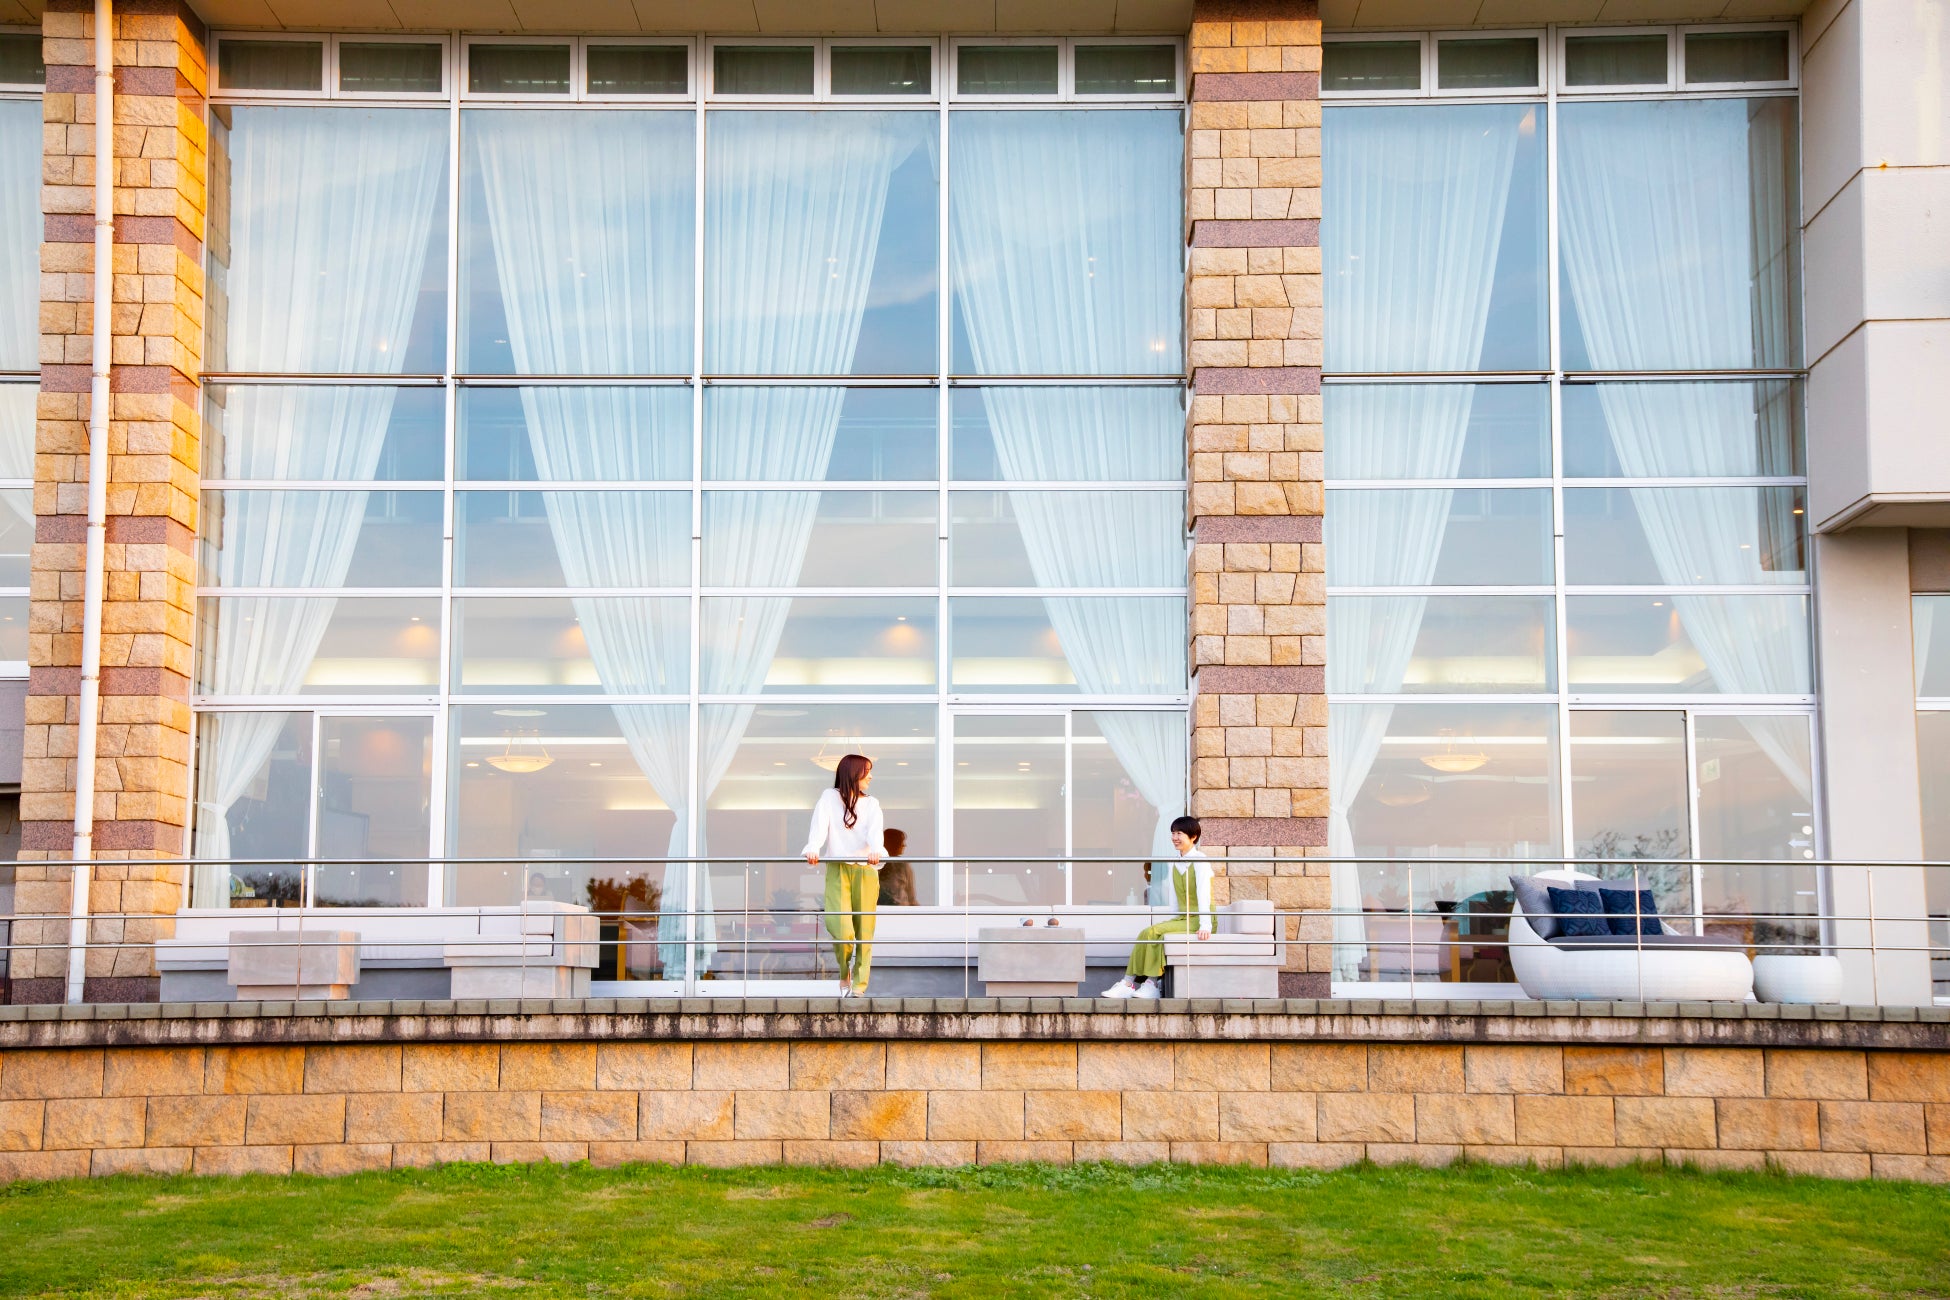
(846, 822)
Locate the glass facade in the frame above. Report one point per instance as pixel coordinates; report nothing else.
(594, 509)
(1568, 592)
(20, 343)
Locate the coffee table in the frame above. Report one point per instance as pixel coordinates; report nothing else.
(1030, 961)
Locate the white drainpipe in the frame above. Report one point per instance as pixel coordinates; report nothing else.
(97, 561)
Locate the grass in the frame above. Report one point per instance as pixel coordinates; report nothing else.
(1028, 1230)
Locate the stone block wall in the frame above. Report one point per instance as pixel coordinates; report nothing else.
(337, 1108)
(1258, 580)
(141, 804)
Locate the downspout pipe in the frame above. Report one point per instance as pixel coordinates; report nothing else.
(97, 548)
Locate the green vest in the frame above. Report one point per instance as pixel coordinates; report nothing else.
(1184, 884)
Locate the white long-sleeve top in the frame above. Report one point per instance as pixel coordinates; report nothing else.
(831, 837)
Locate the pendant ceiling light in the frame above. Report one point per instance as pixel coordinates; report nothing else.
(1452, 760)
(521, 759)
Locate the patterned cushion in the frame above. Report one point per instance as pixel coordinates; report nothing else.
(1629, 913)
(1581, 913)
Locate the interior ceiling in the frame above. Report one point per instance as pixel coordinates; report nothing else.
(909, 17)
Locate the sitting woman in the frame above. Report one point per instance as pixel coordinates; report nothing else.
(1190, 883)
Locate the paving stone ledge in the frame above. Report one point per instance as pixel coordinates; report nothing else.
(977, 1020)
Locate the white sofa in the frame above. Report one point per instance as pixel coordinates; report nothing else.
(1624, 969)
(1240, 960)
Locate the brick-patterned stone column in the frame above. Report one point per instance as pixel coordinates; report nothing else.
(1259, 774)
(143, 773)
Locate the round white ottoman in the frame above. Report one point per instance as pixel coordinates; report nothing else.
(1789, 977)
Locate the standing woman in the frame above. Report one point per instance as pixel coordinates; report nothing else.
(847, 824)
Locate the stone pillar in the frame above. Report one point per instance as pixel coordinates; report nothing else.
(141, 802)
(1259, 604)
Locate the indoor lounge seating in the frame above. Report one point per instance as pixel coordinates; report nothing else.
(1663, 967)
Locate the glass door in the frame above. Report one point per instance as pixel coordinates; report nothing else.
(374, 809)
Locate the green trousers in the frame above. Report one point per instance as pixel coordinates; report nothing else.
(1148, 956)
(852, 891)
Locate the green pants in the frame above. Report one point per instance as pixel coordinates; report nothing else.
(1148, 956)
(852, 891)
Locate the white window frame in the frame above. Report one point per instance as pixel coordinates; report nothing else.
(579, 68)
(328, 71)
(440, 96)
(1426, 64)
(820, 77)
(1432, 59)
(1177, 94)
(832, 96)
(1714, 29)
(8, 88)
(1560, 61)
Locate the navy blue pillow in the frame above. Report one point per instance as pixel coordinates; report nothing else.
(1620, 909)
(1581, 913)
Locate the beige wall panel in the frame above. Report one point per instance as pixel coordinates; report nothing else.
(351, 15)
(719, 17)
(815, 17)
(902, 17)
(468, 15)
(1154, 15)
(1041, 16)
(229, 13)
(1539, 11)
(582, 16)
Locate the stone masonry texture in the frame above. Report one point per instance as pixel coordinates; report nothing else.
(1258, 580)
(178, 1089)
(143, 774)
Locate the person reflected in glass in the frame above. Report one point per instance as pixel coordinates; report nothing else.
(539, 889)
(1190, 882)
(896, 877)
(847, 823)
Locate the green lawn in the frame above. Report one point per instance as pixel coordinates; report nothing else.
(997, 1231)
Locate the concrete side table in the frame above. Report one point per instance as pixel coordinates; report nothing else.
(1030, 961)
(270, 965)
(1797, 977)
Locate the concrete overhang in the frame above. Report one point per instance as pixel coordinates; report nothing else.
(910, 17)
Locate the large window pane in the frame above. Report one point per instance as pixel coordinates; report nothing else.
(1079, 435)
(576, 239)
(1009, 785)
(319, 431)
(16, 537)
(846, 539)
(374, 801)
(1438, 783)
(1680, 234)
(1066, 539)
(17, 417)
(1064, 235)
(1756, 800)
(1718, 429)
(614, 645)
(1628, 792)
(798, 435)
(1127, 781)
(1933, 759)
(753, 644)
(254, 799)
(278, 538)
(572, 539)
(820, 256)
(318, 645)
(1386, 645)
(20, 234)
(1929, 618)
(1436, 431)
(567, 788)
(328, 231)
(1439, 536)
(1651, 536)
(1732, 645)
(1433, 238)
(586, 433)
(13, 630)
(1093, 645)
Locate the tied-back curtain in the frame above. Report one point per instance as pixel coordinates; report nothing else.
(1416, 201)
(1065, 243)
(20, 236)
(591, 223)
(330, 217)
(1683, 178)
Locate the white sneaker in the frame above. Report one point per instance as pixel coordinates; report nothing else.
(846, 990)
(1149, 990)
(1124, 988)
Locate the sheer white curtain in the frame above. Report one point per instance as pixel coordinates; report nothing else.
(591, 229)
(17, 448)
(1062, 266)
(1681, 178)
(329, 218)
(20, 234)
(794, 205)
(1416, 200)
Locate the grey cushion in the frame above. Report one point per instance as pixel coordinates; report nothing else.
(1699, 943)
(1533, 896)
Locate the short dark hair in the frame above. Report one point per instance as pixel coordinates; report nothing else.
(1189, 825)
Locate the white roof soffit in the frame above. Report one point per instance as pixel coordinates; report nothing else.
(1352, 15)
